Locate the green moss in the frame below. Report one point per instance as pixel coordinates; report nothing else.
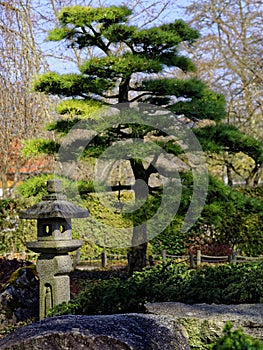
(9, 328)
(18, 272)
(201, 333)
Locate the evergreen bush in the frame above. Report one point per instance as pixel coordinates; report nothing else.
(223, 284)
(236, 340)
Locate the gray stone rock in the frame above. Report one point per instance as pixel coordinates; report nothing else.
(167, 326)
(118, 332)
(20, 298)
(204, 322)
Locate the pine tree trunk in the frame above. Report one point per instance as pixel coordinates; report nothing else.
(254, 176)
(124, 90)
(258, 176)
(229, 175)
(137, 254)
(137, 260)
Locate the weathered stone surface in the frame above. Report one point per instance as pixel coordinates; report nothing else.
(169, 326)
(19, 299)
(118, 332)
(54, 205)
(204, 323)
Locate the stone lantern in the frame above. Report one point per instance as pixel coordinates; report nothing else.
(54, 231)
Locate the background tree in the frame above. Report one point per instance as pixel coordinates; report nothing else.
(131, 64)
(231, 220)
(228, 57)
(231, 217)
(221, 139)
(23, 113)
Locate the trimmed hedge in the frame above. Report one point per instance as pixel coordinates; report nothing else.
(223, 284)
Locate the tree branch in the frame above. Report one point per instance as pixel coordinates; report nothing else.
(141, 95)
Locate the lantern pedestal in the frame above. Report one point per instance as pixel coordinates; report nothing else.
(54, 286)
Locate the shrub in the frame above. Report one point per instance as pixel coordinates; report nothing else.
(225, 284)
(236, 340)
(116, 295)
(222, 284)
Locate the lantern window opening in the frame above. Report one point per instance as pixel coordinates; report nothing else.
(48, 229)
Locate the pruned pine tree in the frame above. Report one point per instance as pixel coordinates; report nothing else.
(128, 64)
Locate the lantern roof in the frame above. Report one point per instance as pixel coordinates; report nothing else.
(54, 205)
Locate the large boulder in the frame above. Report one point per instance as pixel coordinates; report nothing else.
(108, 332)
(167, 326)
(204, 322)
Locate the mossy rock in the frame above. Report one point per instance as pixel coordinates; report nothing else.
(30, 270)
(201, 333)
(19, 300)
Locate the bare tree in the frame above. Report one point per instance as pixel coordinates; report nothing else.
(230, 51)
(229, 58)
(22, 112)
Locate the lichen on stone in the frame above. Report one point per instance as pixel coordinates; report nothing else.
(201, 333)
